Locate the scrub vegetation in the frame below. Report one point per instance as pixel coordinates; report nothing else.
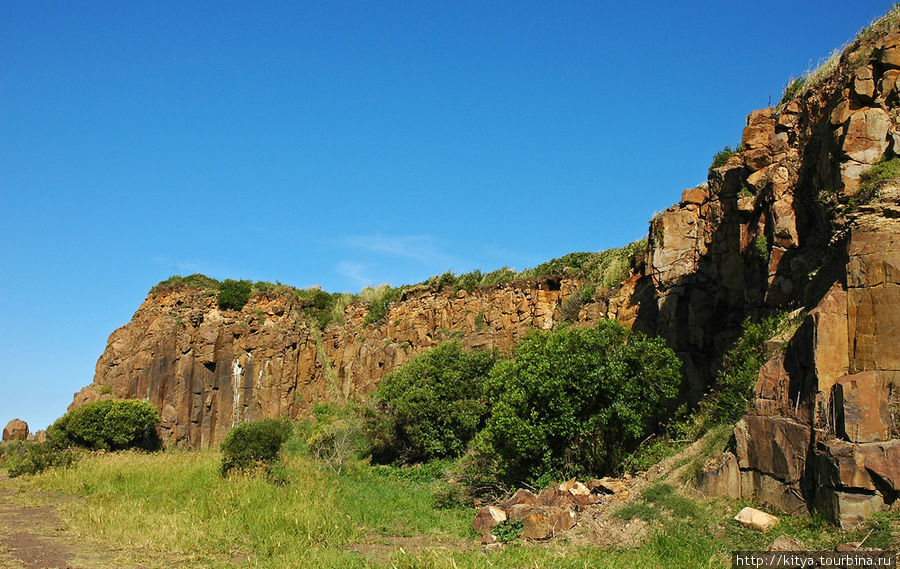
(598, 272)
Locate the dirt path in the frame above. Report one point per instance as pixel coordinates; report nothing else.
(32, 536)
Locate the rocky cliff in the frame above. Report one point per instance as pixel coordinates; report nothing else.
(787, 222)
(207, 369)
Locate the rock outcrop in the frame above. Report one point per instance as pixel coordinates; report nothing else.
(15, 430)
(208, 369)
(822, 433)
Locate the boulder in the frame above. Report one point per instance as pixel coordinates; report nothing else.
(556, 497)
(544, 522)
(696, 196)
(583, 501)
(574, 487)
(756, 519)
(864, 84)
(776, 446)
(889, 56)
(722, 478)
(607, 486)
(521, 496)
(15, 430)
(849, 509)
(488, 517)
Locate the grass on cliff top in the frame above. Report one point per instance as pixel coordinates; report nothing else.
(878, 28)
(601, 270)
(174, 509)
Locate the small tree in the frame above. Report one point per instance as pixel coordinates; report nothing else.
(433, 406)
(253, 444)
(574, 401)
(233, 295)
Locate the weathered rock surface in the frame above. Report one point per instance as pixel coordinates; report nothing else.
(208, 369)
(15, 430)
(487, 518)
(825, 413)
(756, 519)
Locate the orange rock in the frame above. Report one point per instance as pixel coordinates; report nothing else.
(15, 430)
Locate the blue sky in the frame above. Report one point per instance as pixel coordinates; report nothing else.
(348, 143)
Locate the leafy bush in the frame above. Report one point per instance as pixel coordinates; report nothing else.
(253, 444)
(508, 530)
(108, 425)
(32, 458)
(722, 157)
(197, 281)
(233, 295)
(574, 401)
(433, 406)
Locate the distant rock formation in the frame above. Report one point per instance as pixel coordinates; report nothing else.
(15, 430)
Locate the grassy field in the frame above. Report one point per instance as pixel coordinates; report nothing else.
(174, 509)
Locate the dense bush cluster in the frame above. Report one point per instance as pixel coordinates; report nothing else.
(432, 407)
(233, 295)
(108, 425)
(572, 401)
(254, 444)
(576, 400)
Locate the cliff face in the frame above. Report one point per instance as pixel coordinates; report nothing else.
(768, 231)
(780, 225)
(207, 369)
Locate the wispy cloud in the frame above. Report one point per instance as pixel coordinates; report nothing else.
(354, 272)
(416, 247)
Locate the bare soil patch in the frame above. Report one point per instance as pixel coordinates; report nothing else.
(33, 537)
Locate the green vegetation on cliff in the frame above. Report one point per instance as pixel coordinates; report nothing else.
(597, 271)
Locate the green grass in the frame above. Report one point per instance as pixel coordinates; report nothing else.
(826, 66)
(174, 509)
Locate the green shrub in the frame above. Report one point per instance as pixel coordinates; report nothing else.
(433, 406)
(722, 157)
(872, 180)
(574, 401)
(197, 281)
(113, 424)
(762, 247)
(33, 458)
(335, 436)
(379, 305)
(502, 275)
(254, 444)
(233, 295)
(468, 281)
(733, 388)
(792, 89)
(508, 530)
